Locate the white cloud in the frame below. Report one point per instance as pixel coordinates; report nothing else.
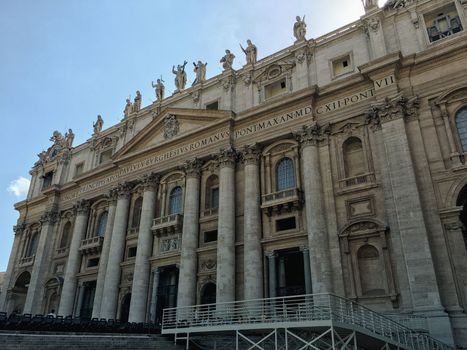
(19, 187)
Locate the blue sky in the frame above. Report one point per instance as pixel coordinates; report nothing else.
(64, 62)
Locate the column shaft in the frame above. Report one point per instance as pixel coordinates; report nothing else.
(253, 271)
(320, 262)
(11, 263)
(155, 285)
(67, 298)
(117, 246)
(225, 288)
(307, 271)
(188, 259)
(272, 275)
(33, 304)
(96, 309)
(139, 292)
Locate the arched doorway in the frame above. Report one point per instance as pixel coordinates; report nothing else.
(208, 294)
(461, 202)
(125, 308)
(19, 292)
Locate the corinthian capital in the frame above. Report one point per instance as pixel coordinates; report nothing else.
(82, 206)
(49, 217)
(124, 190)
(227, 157)
(19, 229)
(112, 196)
(312, 134)
(251, 154)
(150, 181)
(391, 109)
(192, 168)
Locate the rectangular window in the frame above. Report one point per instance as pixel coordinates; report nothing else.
(105, 156)
(93, 262)
(274, 89)
(131, 252)
(215, 198)
(210, 236)
(213, 106)
(48, 177)
(442, 23)
(286, 224)
(342, 66)
(79, 169)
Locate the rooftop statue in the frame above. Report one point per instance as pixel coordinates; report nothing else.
(180, 76)
(137, 103)
(299, 28)
(369, 4)
(69, 137)
(160, 89)
(58, 139)
(200, 71)
(98, 125)
(128, 108)
(251, 52)
(227, 60)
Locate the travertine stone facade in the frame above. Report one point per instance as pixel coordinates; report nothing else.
(335, 165)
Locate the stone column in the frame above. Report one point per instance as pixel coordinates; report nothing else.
(139, 291)
(252, 252)
(67, 298)
(272, 275)
(225, 290)
(307, 270)
(320, 261)
(188, 259)
(155, 285)
(117, 246)
(33, 304)
(96, 309)
(390, 118)
(19, 229)
(374, 30)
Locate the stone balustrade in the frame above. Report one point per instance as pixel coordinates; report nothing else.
(168, 224)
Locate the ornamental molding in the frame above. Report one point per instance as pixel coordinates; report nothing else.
(60, 149)
(208, 264)
(398, 107)
(19, 229)
(273, 71)
(49, 217)
(124, 190)
(171, 126)
(105, 142)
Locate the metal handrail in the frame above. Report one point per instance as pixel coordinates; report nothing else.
(295, 310)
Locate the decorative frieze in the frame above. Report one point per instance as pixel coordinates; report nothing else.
(171, 126)
(170, 244)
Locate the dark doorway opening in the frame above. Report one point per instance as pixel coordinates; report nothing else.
(208, 294)
(125, 308)
(166, 291)
(89, 289)
(461, 201)
(290, 273)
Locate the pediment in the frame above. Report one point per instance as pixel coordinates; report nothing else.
(172, 124)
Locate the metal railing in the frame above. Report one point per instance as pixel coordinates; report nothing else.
(295, 311)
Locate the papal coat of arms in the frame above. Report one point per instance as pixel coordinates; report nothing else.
(171, 126)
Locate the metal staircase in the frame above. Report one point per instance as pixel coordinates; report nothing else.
(314, 321)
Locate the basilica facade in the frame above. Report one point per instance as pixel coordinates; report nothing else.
(336, 165)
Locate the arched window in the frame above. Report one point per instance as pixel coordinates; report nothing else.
(370, 270)
(285, 174)
(138, 206)
(33, 244)
(461, 124)
(212, 192)
(354, 160)
(175, 201)
(66, 234)
(101, 224)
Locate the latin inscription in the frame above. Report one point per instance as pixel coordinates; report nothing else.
(345, 102)
(384, 82)
(269, 123)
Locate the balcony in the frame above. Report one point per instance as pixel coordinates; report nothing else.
(210, 212)
(91, 245)
(277, 202)
(132, 232)
(166, 225)
(359, 180)
(61, 251)
(26, 261)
